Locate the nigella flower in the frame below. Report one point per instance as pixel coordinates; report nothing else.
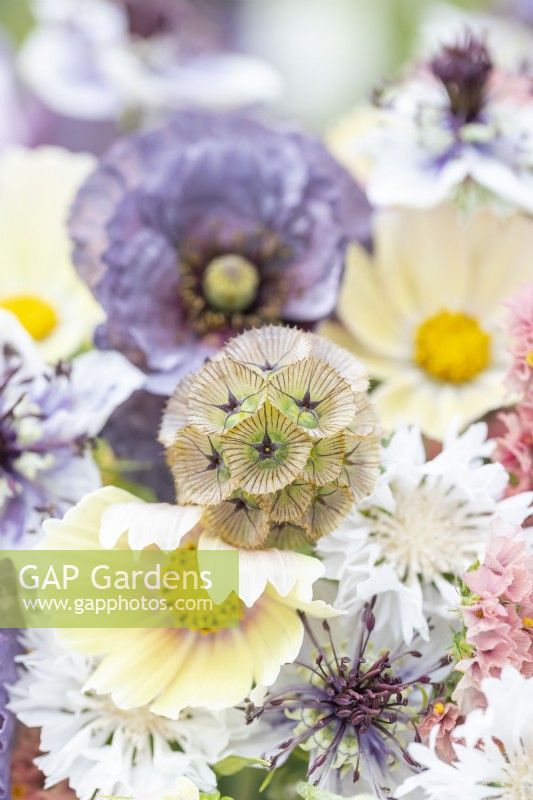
(458, 117)
(352, 707)
(8, 674)
(276, 436)
(426, 521)
(206, 226)
(48, 416)
(97, 60)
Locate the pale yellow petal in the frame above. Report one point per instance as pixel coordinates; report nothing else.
(500, 251)
(366, 308)
(378, 366)
(422, 259)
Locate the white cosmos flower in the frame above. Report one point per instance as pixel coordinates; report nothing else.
(99, 747)
(39, 283)
(424, 312)
(495, 761)
(172, 669)
(426, 522)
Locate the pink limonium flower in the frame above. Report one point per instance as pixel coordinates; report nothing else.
(507, 569)
(514, 448)
(498, 617)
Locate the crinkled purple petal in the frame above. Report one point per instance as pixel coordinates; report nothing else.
(206, 180)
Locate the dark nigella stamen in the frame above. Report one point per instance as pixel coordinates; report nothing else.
(8, 447)
(149, 19)
(352, 696)
(464, 69)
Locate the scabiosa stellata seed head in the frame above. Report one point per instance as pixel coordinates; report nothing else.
(464, 69)
(207, 226)
(276, 436)
(352, 713)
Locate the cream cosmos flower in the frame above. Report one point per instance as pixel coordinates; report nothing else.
(38, 282)
(168, 670)
(424, 312)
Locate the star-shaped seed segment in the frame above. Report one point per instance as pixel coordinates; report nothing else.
(239, 520)
(325, 461)
(196, 462)
(328, 508)
(269, 349)
(360, 468)
(314, 396)
(266, 452)
(291, 503)
(223, 394)
(176, 414)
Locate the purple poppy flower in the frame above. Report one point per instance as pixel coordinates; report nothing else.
(47, 418)
(8, 674)
(206, 226)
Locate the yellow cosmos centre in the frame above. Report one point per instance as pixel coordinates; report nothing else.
(529, 358)
(36, 315)
(439, 708)
(527, 622)
(452, 347)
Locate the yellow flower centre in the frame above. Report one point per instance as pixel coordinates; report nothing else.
(527, 622)
(35, 314)
(230, 283)
(452, 347)
(439, 709)
(529, 358)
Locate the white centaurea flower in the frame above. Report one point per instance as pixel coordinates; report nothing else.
(425, 523)
(99, 747)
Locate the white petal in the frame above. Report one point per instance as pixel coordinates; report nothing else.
(161, 524)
